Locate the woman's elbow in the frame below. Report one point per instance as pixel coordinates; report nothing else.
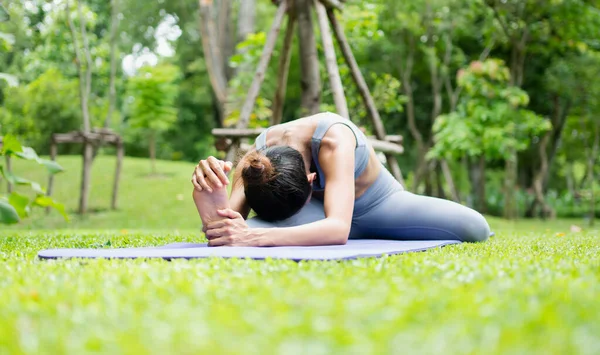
(339, 235)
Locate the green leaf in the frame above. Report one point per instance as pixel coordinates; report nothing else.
(16, 180)
(20, 204)
(45, 201)
(52, 166)
(28, 154)
(8, 214)
(10, 145)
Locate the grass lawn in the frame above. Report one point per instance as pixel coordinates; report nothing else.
(162, 201)
(532, 289)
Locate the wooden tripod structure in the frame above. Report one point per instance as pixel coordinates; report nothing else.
(97, 137)
(327, 21)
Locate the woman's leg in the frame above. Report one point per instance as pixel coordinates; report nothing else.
(404, 216)
(311, 212)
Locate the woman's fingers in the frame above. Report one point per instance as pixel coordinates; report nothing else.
(217, 168)
(195, 182)
(227, 166)
(201, 180)
(229, 213)
(219, 242)
(218, 224)
(209, 174)
(216, 233)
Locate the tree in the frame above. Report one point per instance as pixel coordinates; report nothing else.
(153, 92)
(490, 121)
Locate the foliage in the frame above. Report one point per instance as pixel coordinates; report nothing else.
(552, 47)
(16, 206)
(531, 289)
(490, 119)
(153, 93)
(247, 55)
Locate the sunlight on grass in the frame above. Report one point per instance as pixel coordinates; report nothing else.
(145, 201)
(520, 292)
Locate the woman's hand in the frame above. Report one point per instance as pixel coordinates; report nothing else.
(231, 231)
(211, 171)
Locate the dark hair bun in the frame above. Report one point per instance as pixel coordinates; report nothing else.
(258, 169)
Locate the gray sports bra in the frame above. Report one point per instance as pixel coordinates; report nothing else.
(361, 158)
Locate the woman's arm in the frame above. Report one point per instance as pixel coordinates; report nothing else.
(237, 199)
(337, 161)
(336, 158)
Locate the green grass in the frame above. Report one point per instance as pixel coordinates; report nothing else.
(162, 201)
(531, 289)
(521, 292)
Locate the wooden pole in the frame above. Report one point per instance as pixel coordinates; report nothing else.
(282, 75)
(259, 76)
(115, 193)
(364, 91)
(85, 176)
(265, 58)
(310, 79)
(387, 146)
(53, 151)
(335, 82)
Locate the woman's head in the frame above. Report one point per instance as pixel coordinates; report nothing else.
(275, 182)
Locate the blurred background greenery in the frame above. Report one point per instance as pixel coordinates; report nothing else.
(497, 101)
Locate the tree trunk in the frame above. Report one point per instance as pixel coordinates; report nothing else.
(284, 67)
(245, 26)
(84, 92)
(310, 81)
(224, 35)
(538, 188)
(152, 148)
(591, 165)
(246, 19)
(82, 77)
(439, 181)
(335, 82)
(365, 94)
(113, 62)
(540, 177)
(212, 54)
(477, 177)
(406, 76)
(85, 177)
(570, 177)
(449, 180)
(510, 208)
(115, 192)
(559, 118)
(258, 77)
(88, 68)
(53, 153)
(558, 128)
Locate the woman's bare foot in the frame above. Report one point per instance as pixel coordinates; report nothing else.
(208, 203)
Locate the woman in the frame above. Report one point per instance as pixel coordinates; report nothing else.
(328, 158)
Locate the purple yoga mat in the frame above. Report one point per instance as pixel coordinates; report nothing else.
(351, 250)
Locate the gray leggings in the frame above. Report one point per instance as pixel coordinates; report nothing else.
(387, 211)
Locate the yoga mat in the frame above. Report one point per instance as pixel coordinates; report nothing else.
(357, 248)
